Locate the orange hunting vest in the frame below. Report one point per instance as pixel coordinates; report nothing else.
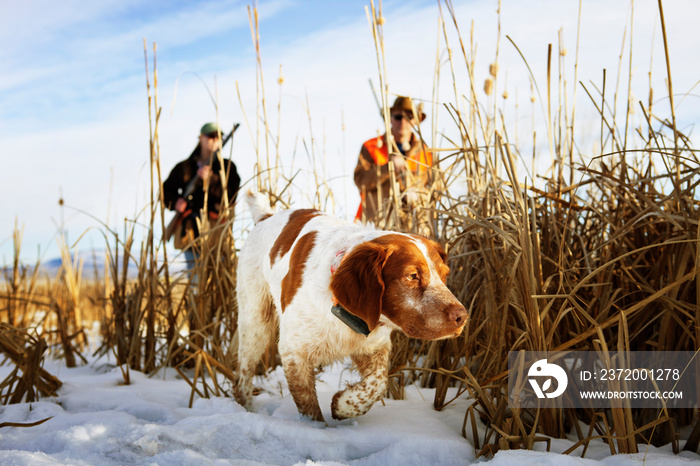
(418, 161)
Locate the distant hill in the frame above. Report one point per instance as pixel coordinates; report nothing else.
(93, 265)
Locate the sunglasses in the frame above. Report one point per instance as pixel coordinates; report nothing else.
(400, 116)
(212, 135)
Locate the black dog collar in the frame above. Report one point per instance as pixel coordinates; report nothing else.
(357, 325)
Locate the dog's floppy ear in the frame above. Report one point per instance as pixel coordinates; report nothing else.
(358, 285)
(440, 250)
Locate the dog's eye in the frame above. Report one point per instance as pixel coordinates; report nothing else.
(414, 276)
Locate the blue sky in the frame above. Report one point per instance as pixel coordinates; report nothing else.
(73, 103)
(69, 59)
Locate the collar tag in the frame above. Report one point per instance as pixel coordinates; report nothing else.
(338, 259)
(357, 325)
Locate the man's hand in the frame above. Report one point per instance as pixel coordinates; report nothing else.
(180, 205)
(399, 163)
(204, 172)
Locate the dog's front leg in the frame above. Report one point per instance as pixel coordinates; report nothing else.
(358, 398)
(301, 378)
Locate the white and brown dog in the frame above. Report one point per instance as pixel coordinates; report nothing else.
(335, 289)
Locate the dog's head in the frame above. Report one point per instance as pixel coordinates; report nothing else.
(403, 278)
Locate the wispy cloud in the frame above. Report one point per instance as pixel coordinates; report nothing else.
(67, 54)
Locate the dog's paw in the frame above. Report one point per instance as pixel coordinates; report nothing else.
(348, 404)
(243, 395)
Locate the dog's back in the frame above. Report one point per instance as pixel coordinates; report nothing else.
(281, 239)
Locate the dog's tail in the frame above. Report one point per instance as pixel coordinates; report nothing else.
(259, 206)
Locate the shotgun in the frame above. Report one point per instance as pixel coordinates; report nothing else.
(175, 222)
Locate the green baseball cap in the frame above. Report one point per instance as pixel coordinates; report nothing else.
(210, 128)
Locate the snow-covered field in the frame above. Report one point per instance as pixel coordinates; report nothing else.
(97, 420)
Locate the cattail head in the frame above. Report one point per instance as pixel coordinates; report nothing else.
(488, 86)
(493, 69)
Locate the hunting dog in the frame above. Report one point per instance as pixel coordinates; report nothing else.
(335, 289)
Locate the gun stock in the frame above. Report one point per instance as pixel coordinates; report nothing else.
(170, 229)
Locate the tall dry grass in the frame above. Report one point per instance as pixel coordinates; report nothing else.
(602, 255)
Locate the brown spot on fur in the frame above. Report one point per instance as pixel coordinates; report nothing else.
(297, 262)
(289, 233)
(302, 385)
(264, 217)
(373, 363)
(335, 407)
(243, 387)
(267, 313)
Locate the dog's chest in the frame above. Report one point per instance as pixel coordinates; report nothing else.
(328, 339)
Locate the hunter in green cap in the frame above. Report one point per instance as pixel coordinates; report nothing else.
(183, 190)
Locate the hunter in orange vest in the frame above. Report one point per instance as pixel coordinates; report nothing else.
(412, 160)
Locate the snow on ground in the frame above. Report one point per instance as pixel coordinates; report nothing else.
(99, 421)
